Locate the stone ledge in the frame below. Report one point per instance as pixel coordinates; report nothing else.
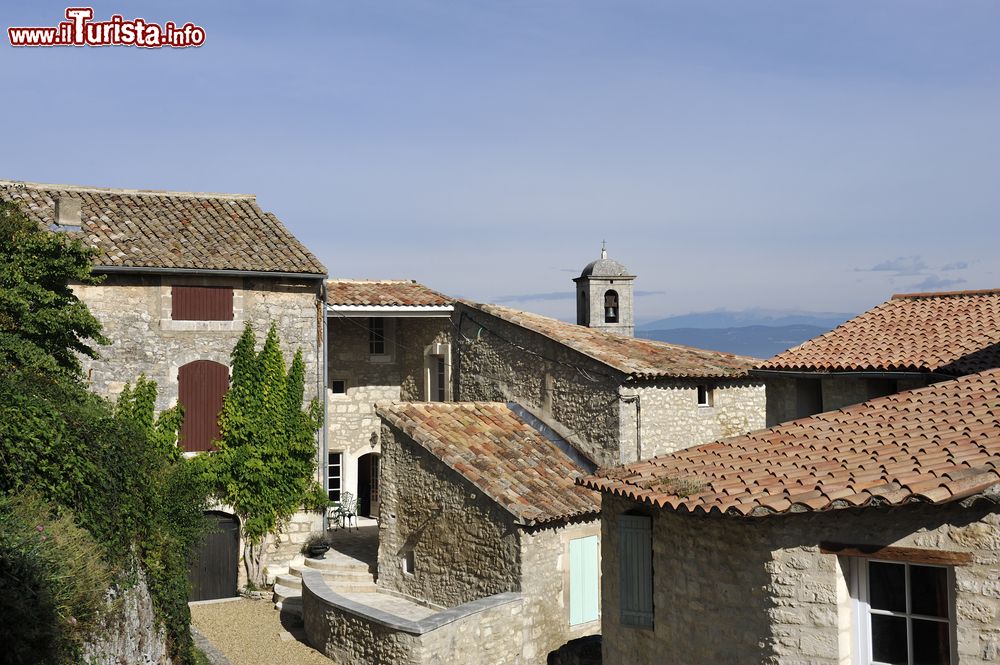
(313, 583)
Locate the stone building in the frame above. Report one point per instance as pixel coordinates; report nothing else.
(480, 501)
(388, 340)
(621, 398)
(869, 534)
(908, 342)
(183, 272)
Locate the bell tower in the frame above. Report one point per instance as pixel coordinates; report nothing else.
(604, 296)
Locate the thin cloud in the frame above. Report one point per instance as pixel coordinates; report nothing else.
(934, 282)
(957, 265)
(558, 295)
(901, 265)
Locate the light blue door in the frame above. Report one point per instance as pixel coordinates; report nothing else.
(584, 580)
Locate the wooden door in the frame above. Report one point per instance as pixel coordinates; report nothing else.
(215, 570)
(202, 385)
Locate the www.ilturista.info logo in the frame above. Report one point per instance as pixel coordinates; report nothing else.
(80, 30)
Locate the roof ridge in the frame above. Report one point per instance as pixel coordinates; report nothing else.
(374, 281)
(945, 294)
(24, 184)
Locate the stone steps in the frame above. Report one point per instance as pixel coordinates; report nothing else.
(342, 573)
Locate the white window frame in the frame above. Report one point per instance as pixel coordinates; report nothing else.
(432, 355)
(339, 477)
(861, 644)
(709, 395)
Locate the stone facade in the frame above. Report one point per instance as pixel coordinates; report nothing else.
(790, 398)
(466, 548)
(129, 631)
(760, 591)
(135, 312)
(594, 402)
(672, 419)
(353, 428)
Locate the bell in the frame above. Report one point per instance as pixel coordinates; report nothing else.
(610, 313)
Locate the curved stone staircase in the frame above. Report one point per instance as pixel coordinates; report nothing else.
(342, 573)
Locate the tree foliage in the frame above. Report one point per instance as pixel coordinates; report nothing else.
(138, 406)
(42, 323)
(266, 458)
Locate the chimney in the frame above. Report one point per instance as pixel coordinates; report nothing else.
(68, 214)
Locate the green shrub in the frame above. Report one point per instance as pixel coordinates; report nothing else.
(52, 581)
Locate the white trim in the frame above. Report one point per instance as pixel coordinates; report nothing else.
(426, 311)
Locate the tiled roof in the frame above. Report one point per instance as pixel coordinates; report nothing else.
(382, 292)
(640, 358)
(149, 229)
(953, 333)
(932, 445)
(498, 452)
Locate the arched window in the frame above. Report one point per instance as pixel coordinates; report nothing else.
(582, 315)
(611, 306)
(201, 386)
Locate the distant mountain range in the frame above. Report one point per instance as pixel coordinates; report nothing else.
(754, 332)
(748, 317)
(757, 341)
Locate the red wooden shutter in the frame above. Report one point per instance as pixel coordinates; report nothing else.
(201, 303)
(201, 386)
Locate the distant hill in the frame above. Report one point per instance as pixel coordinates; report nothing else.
(758, 341)
(747, 318)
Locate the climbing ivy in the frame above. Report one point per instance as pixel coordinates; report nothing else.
(266, 460)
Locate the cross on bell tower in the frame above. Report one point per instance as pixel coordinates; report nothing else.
(604, 296)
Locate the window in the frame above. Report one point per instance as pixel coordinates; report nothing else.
(333, 475)
(437, 373)
(201, 303)
(407, 561)
(376, 336)
(584, 579)
(611, 306)
(705, 396)
(201, 386)
(635, 554)
(338, 386)
(903, 613)
(440, 382)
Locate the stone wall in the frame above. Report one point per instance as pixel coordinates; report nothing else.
(545, 585)
(285, 549)
(575, 390)
(353, 425)
(135, 313)
(770, 596)
(483, 632)
(129, 632)
(672, 418)
(464, 546)
(790, 398)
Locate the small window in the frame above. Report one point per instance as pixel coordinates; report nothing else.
(376, 336)
(635, 557)
(407, 562)
(584, 580)
(333, 475)
(611, 307)
(904, 613)
(705, 396)
(338, 386)
(201, 303)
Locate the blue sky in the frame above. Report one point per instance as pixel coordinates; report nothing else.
(784, 155)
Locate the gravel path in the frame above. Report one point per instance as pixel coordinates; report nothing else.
(250, 632)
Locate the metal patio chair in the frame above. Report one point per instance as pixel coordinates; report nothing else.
(346, 510)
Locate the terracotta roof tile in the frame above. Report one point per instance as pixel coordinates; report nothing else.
(933, 454)
(498, 452)
(952, 333)
(149, 229)
(640, 358)
(383, 293)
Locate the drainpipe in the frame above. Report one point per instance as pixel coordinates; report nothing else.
(324, 470)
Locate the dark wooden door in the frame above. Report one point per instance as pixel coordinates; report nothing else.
(202, 385)
(215, 571)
